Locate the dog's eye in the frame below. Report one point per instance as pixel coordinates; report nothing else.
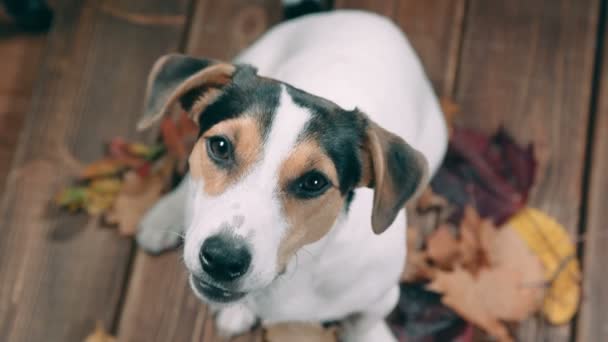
(310, 185)
(220, 149)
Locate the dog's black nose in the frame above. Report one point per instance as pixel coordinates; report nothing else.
(225, 257)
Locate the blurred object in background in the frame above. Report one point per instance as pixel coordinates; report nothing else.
(30, 15)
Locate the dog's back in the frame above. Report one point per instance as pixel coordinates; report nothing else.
(357, 59)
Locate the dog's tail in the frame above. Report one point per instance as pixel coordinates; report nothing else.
(296, 8)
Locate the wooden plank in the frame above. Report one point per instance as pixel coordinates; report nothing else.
(160, 306)
(592, 324)
(59, 273)
(528, 65)
(21, 55)
(434, 29)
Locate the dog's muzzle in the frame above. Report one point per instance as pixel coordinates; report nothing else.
(213, 292)
(224, 260)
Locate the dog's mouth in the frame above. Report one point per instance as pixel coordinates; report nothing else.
(214, 293)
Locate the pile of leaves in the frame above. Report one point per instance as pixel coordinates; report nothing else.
(131, 176)
(477, 254)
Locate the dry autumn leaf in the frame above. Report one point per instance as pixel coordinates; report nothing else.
(299, 332)
(550, 242)
(135, 198)
(102, 168)
(443, 247)
(416, 266)
(504, 291)
(100, 335)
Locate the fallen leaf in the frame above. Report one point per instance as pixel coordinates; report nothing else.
(551, 243)
(99, 335)
(476, 236)
(491, 173)
(450, 110)
(106, 185)
(102, 168)
(299, 332)
(442, 247)
(172, 138)
(72, 198)
(416, 267)
(135, 198)
(98, 202)
(504, 291)
(463, 294)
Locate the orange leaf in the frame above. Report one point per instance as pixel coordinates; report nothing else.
(442, 247)
(102, 168)
(100, 335)
(507, 290)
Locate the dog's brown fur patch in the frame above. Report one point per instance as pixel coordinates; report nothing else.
(245, 135)
(309, 219)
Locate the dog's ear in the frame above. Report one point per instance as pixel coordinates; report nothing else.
(192, 82)
(395, 170)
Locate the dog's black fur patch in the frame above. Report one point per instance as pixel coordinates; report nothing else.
(339, 132)
(247, 94)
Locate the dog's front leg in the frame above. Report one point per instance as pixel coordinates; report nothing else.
(369, 325)
(163, 226)
(234, 320)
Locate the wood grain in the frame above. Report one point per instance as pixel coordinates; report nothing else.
(434, 27)
(528, 65)
(592, 324)
(21, 56)
(60, 273)
(160, 305)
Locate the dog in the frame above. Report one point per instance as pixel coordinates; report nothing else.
(311, 142)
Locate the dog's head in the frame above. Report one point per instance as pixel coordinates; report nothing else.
(273, 170)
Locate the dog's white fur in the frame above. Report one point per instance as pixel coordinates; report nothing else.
(352, 58)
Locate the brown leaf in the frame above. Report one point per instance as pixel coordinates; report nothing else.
(462, 293)
(135, 198)
(475, 236)
(119, 149)
(299, 332)
(443, 248)
(172, 138)
(100, 335)
(416, 266)
(504, 291)
(450, 111)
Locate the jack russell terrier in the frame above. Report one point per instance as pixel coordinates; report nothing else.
(311, 141)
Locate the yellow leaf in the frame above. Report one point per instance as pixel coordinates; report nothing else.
(106, 185)
(98, 202)
(102, 168)
(551, 243)
(100, 335)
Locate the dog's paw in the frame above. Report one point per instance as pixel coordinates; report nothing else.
(155, 239)
(234, 320)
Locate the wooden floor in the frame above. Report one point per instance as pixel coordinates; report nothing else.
(538, 67)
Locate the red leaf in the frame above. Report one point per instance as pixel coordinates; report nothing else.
(493, 174)
(172, 139)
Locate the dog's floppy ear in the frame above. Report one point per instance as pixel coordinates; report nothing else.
(395, 170)
(192, 82)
